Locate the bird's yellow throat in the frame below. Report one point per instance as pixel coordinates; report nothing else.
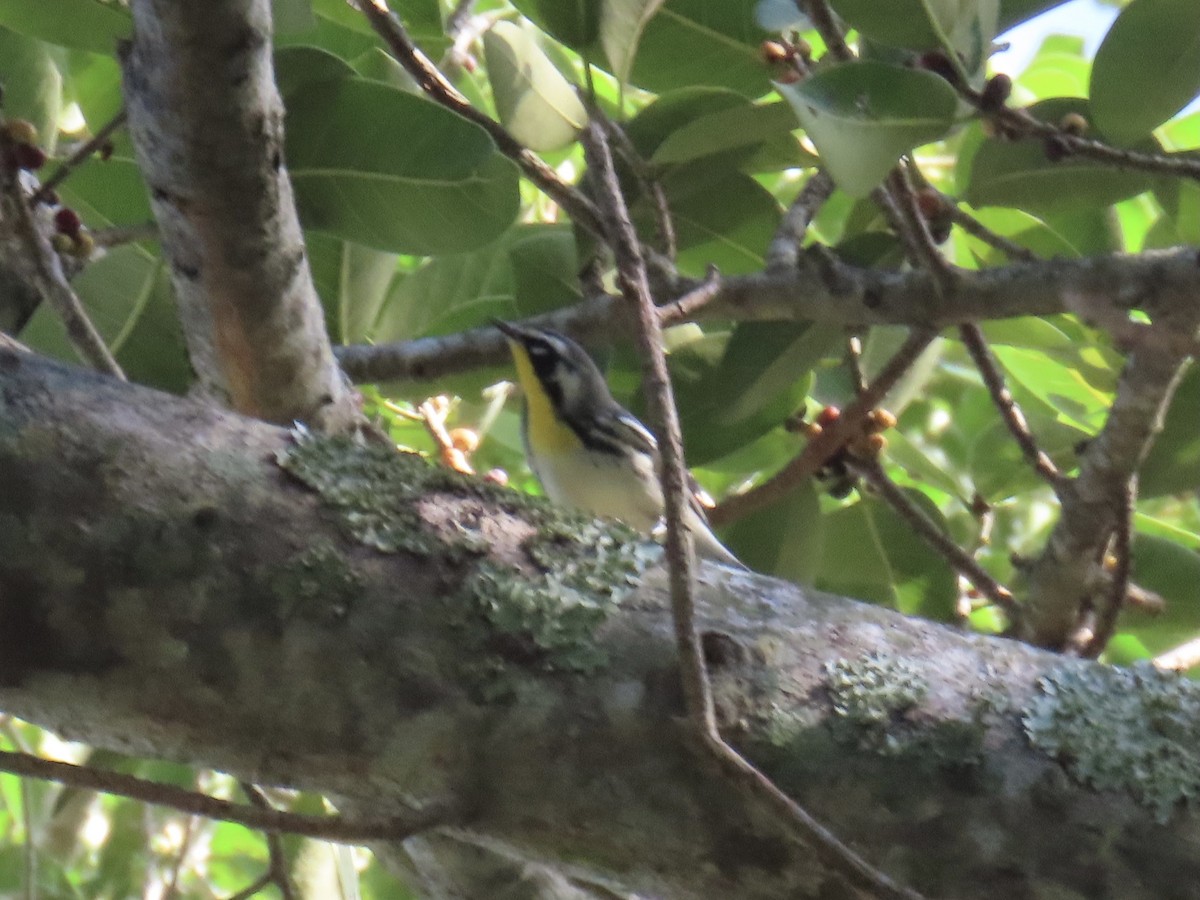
(547, 433)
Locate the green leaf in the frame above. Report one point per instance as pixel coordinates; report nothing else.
(353, 282)
(1055, 73)
(733, 390)
(621, 25)
(416, 179)
(296, 67)
(968, 25)
(378, 65)
(702, 42)
(531, 269)
(1169, 566)
(32, 84)
(536, 103)
(79, 24)
(873, 554)
(739, 126)
(1147, 68)
(902, 452)
(545, 268)
(292, 15)
(1173, 464)
(1019, 227)
(94, 82)
(722, 217)
(1014, 12)
(863, 116)
(575, 23)
(1061, 387)
(675, 111)
(1005, 173)
(785, 538)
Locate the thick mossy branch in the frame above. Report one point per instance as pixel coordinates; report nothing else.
(167, 589)
(1135, 730)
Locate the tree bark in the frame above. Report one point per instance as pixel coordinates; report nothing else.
(169, 589)
(207, 123)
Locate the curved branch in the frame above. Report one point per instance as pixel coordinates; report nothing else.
(338, 829)
(822, 289)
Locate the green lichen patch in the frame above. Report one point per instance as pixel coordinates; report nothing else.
(317, 585)
(547, 621)
(875, 697)
(374, 487)
(1136, 730)
(874, 689)
(532, 592)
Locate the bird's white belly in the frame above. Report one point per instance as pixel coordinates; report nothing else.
(603, 486)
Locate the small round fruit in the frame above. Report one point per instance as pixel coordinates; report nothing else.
(1074, 124)
(22, 131)
(83, 245)
(774, 52)
(828, 416)
(464, 439)
(27, 156)
(66, 221)
(995, 93)
(880, 420)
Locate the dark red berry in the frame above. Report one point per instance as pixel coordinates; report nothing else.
(995, 93)
(27, 156)
(66, 221)
(828, 416)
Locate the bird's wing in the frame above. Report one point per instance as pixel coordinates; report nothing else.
(637, 433)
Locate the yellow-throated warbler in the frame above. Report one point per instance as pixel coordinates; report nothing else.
(585, 448)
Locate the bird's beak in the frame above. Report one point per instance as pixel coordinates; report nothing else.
(510, 331)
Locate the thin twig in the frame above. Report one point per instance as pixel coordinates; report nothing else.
(631, 274)
(80, 155)
(46, 275)
(635, 287)
(253, 888)
(1180, 659)
(1010, 412)
(649, 184)
(277, 870)
(433, 413)
(972, 336)
(922, 249)
(172, 887)
(1106, 620)
(686, 306)
(975, 228)
(29, 850)
(823, 20)
(824, 446)
(835, 293)
(1020, 123)
(956, 556)
(784, 250)
(858, 378)
(117, 235)
(338, 829)
(581, 210)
